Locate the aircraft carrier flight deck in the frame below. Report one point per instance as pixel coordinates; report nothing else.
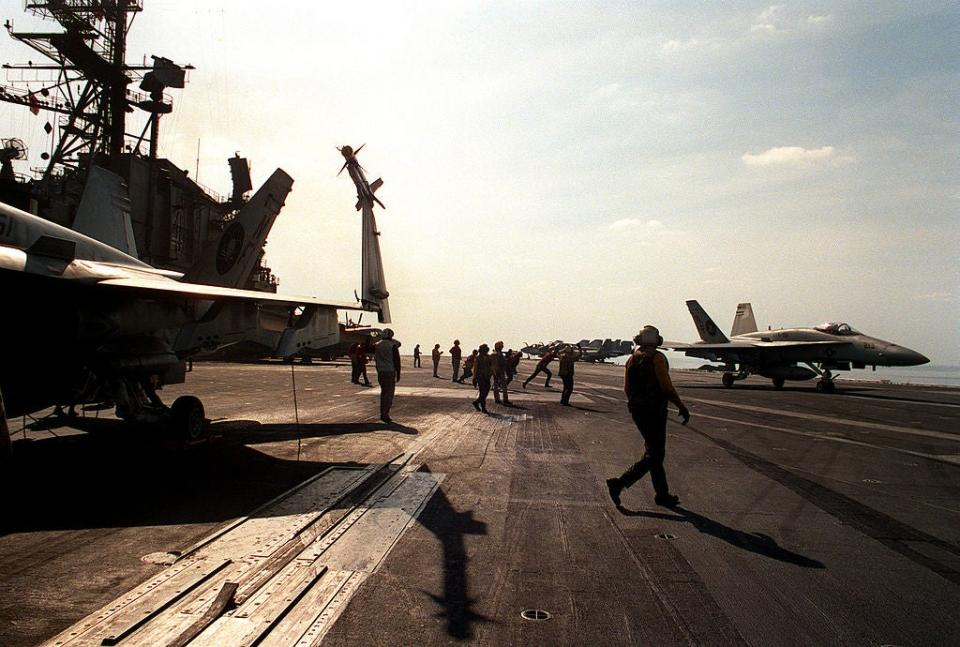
(806, 518)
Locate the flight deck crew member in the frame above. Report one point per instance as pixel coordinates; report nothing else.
(568, 358)
(386, 355)
(436, 359)
(648, 388)
(468, 366)
(498, 369)
(513, 361)
(542, 367)
(358, 360)
(481, 377)
(354, 363)
(416, 356)
(455, 358)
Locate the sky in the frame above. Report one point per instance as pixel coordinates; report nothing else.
(579, 169)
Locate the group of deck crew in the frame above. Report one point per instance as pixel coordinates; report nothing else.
(647, 386)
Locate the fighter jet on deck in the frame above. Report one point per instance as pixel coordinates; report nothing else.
(777, 354)
(600, 350)
(86, 323)
(597, 350)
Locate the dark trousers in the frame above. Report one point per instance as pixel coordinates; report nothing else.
(354, 371)
(653, 427)
(540, 369)
(388, 386)
(567, 389)
(416, 361)
(467, 372)
(500, 387)
(483, 384)
(436, 365)
(456, 369)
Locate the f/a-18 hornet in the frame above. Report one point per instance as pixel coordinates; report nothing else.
(86, 322)
(777, 354)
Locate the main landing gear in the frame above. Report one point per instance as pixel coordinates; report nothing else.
(730, 378)
(138, 402)
(825, 384)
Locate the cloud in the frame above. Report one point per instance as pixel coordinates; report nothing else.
(938, 297)
(767, 20)
(820, 21)
(677, 46)
(778, 19)
(634, 223)
(795, 156)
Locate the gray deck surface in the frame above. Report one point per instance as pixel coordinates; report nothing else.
(805, 518)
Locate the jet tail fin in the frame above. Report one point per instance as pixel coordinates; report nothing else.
(104, 211)
(374, 292)
(744, 322)
(705, 326)
(228, 260)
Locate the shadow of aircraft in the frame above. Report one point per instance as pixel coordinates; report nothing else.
(842, 387)
(754, 542)
(253, 431)
(119, 480)
(450, 527)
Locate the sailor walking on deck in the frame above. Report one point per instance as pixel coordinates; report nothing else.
(513, 361)
(416, 356)
(386, 355)
(568, 358)
(498, 367)
(436, 358)
(481, 377)
(648, 388)
(455, 358)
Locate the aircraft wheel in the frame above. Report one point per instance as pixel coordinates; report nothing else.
(187, 418)
(826, 386)
(778, 383)
(728, 380)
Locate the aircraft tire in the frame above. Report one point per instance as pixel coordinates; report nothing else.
(727, 380)
(826, 386)
(187, 418)
(778, 383)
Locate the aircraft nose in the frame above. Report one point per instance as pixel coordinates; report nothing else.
(900, 356)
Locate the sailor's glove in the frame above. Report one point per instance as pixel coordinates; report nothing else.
(685, 414)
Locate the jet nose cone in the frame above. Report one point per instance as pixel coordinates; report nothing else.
(900, 356)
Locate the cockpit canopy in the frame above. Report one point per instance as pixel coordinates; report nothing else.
(834, 328)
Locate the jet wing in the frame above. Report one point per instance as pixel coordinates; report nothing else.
(758, 345)
(759, 351)
(216, 293)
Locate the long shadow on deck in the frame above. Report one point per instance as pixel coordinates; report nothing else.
(754, 542)
(450, 527)
(892, 533)
(116, 475)
(253, 431)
